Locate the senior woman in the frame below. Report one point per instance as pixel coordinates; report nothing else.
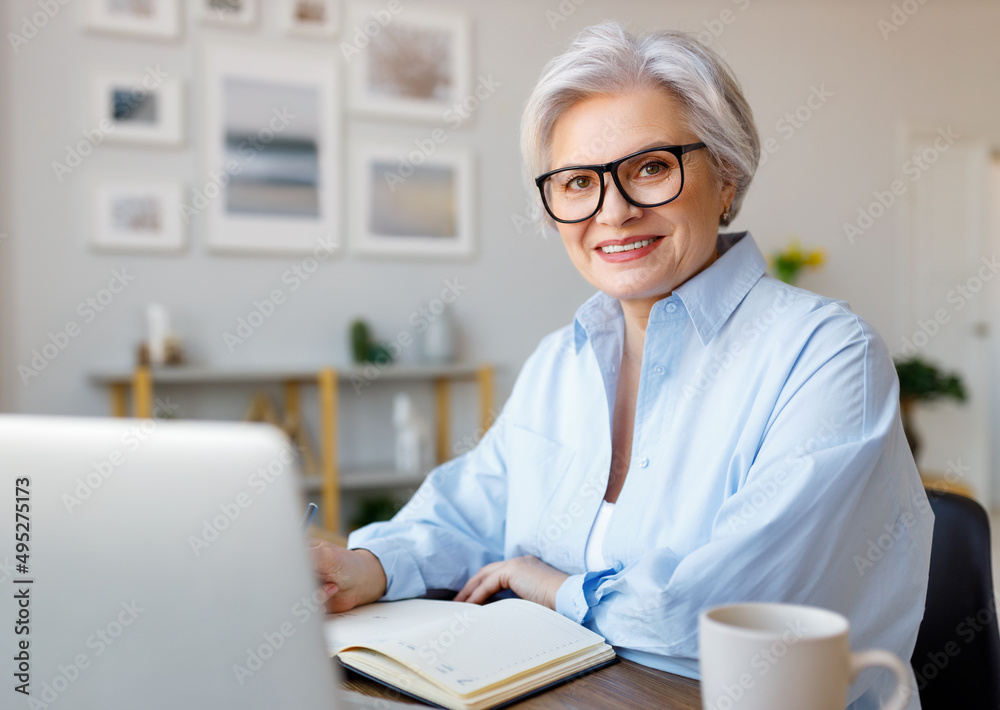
(701, 433)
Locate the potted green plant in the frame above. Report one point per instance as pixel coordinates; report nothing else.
(920, 381)
(788, 264)
(364, 349)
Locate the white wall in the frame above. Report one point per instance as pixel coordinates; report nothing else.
(939, 69)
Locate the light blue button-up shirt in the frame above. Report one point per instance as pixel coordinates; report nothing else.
(768, 463)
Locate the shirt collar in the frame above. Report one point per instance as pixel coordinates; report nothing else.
(596, 313)
(710, 297)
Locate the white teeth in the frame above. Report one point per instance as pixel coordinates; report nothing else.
(628, 247)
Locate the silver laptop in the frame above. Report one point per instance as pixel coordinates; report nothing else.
(155, 564)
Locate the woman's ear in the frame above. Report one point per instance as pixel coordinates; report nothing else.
(726, 196)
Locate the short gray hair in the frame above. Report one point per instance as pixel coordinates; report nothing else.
(607, 59)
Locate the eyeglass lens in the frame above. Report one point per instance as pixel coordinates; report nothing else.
(648, 179)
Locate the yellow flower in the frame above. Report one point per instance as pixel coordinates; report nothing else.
(815, 258)
(788, 263)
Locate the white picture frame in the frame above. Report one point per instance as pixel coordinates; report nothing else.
(143, 109)
(412, 210)
(137, 216)
(315, 19)
(416, 66)
(160, 19)
(272, 180)
(230, 13)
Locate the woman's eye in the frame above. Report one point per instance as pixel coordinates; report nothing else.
(652, 169)
(579, 182)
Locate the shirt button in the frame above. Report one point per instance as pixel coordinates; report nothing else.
(659, 370)
(643, 462)
(671, 307)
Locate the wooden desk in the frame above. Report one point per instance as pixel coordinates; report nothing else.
(622, 685)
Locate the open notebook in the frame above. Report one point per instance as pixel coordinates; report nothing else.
(464, 656)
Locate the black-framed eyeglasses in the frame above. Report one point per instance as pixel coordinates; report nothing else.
(647, 178)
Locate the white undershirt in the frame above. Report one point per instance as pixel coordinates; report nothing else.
(593, 556)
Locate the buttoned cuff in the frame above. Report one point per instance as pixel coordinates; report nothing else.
(402, 575)
(570, 599)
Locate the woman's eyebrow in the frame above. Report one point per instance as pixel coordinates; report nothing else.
(645, 146)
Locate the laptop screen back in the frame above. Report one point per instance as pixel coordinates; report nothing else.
(161, 565)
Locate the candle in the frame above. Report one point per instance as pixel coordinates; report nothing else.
(158, 323)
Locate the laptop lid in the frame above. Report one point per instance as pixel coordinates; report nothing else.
(155, 564)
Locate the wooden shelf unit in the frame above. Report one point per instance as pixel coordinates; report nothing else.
(139, 385)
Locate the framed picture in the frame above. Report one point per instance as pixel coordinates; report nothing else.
(408, 209)
(272, 179)
(416, 66)
(312, 18)
(137, 216)
(237, 13)
(138, 18)
(142, 108)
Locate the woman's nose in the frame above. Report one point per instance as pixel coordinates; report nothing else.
(615, 209)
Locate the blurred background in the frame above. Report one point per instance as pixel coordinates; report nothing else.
(268, 173)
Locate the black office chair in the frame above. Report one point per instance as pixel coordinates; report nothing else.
(957, 656)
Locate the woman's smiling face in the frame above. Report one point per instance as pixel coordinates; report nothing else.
(683, 233)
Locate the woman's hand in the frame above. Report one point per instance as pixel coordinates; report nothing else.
(528, 577)
(350, 578)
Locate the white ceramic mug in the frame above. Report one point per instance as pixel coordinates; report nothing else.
(784, 657)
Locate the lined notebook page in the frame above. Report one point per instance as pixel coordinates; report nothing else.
(477, 647)
(385, 619)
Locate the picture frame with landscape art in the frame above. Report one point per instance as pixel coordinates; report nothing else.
(409, 209)
(141, 108)
(318, 19)
(137, 216)
(416, 66)
(235, 13)
(271, 183)
(137, 18)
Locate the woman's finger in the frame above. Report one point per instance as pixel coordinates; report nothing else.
(473, 582)
(474, 596)
(476, 579)
(324, 558)
(486, 589)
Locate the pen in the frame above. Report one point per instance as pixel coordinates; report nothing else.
(310, 512)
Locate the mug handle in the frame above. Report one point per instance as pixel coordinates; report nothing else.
(885, 659)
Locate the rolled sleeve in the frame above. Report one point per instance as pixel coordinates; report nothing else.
(570, 600)
(451, 527)
(578, 594)
(402, 574)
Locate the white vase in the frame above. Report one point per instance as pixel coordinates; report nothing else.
(439, 339)
(412, 436)
(158, 326)
(407, 435)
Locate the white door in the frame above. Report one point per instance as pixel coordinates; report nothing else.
(950, 280)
